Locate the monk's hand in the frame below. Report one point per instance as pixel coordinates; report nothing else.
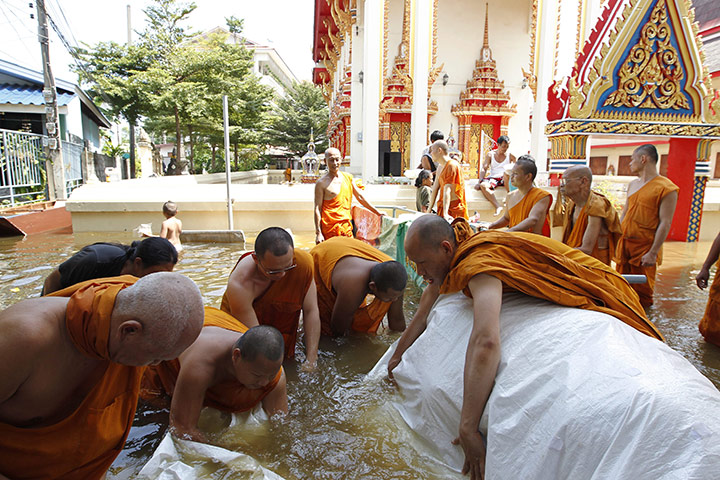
(648, 260)
(474, 447)
(392, 363)
(702, 278)
(319, 238)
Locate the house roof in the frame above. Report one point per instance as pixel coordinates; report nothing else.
(30, 95)
(17, 76)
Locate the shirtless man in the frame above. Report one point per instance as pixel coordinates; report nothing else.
(347, 270)
(70, 369)
(172, 226)
(271, 286)
(228, 367)
(333, 200)
(528, 206)
(494, 166)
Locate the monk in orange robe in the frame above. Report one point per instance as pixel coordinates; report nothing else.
(646, 219)
(71, 366)
(483, 266)
(333, 200)
(590, 223)
(347, 270)
(228, 367)
(272, 286)
(528, 207)
(710, 323)
(449, 187)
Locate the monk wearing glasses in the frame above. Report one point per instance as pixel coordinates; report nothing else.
(272, 286)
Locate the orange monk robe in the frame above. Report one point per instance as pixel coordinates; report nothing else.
(452, 174)
(280, 305)
(638, 233)
(710, 323)
(335, 214)
(596, 206)
(325, 255)
(545, 268)
(85, 443)
(229, 396)
(521, 210)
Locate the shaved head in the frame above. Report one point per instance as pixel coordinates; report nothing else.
(261, 340)
(387, 275)
(168, 305)
(332, 151)
(430, 230)
(578, 171)
(649, 151)
(276, 240)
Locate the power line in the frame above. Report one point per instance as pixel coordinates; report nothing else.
(66, 21)
(15, 29)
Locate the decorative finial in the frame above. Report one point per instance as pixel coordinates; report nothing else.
(486, 43)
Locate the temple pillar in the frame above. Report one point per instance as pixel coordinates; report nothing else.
(566, 151)
(422, 22)
(545, 52)
(372, 81)
(356, 97)
(682, 158)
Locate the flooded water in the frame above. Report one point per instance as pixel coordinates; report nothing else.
(338, 426)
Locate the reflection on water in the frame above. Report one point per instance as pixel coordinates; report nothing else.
(337, 423)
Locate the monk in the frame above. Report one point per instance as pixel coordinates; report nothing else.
(229, 367)
(591, 224)
(271, 286)
(333, 200)
(346, 272)
(528, 206)
(71, 366)
(485, 265)
(646, 219)
(449, 187)
(710, 323)
(494, 166)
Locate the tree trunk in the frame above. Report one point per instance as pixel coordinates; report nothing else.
(179, 150)
(237, 155)
(192, 149)
(212, 159)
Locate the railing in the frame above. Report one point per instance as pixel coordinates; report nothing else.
(72, 162)
(395, 209)
(22, 179)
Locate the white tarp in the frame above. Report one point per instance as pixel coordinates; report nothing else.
(177, 459)
(578, 395)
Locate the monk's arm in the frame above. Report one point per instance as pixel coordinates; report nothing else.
(434, 192)
(417, 325)
(665, 214)
(537, 214)
(704, 275)
(17, 352)
(319, 193)
(188, 397)
(501, 222)
(590, 237)
(276, 401)
(358, 194)
(481, 363)
(448, 195)
(241, 299)
(52, 282)
(311, 323)
(396, 316)
(349, 298)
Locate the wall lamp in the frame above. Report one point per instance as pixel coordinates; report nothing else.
(445, 79)
(361, 76)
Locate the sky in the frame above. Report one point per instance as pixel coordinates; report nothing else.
(286, 25)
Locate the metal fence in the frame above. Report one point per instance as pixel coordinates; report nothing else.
(22, 179)
(72, 162)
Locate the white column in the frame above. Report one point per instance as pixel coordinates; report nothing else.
(545, 64)
(421, 51)
(372, 71)
(356, 96)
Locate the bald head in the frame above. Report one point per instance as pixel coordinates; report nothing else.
(389, 275)
(430, 231)
(578, 171)
(332, 151)
(168, 305)
(441, 146)
(649, 151)
(261, 340)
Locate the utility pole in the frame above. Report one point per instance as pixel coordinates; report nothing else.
(132, 125)
(53, 149)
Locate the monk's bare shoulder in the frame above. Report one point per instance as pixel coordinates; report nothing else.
(207, 355)
(323, 182)
(634, 186)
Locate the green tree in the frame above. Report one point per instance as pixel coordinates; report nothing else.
(301, 109)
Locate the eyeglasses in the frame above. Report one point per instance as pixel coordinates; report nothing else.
(564, 181)
(273, 272)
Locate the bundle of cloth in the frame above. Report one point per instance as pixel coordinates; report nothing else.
(578, 394)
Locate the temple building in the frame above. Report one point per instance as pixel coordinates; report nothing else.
(570, 81)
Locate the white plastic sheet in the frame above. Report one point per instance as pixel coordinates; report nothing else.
(578, 395)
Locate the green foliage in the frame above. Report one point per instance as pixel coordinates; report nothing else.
(303, 108)
(175, 83)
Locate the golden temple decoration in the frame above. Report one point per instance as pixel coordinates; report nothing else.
(531, 74)
(650, 77)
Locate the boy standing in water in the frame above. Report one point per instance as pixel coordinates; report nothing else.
(171, 227)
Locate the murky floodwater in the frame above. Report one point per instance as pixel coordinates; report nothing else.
(338, 426)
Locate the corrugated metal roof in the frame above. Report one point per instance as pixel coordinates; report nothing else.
(24, 95)
(712, 54)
